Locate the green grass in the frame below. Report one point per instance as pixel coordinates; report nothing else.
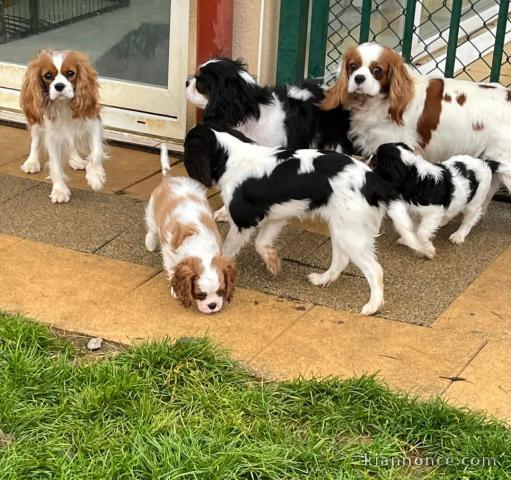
(186, 411)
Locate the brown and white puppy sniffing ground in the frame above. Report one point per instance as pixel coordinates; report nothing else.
(180, 220)
(60, 99)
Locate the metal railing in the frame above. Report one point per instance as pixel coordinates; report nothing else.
(457, 38)
(21, 18)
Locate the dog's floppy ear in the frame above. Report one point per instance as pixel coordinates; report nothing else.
(227, 269)
(185, 273)
(401, 88)
(337, 94)
(232, 97)
(200, 147)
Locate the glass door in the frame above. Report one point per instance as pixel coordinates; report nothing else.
(139, 47)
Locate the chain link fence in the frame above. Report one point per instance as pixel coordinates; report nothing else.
(424, 32)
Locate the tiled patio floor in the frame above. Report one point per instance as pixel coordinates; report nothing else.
(83, 267)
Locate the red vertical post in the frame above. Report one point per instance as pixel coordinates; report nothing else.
(214, 31)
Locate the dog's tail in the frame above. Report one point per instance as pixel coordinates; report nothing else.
(503, 172)
(164, 159)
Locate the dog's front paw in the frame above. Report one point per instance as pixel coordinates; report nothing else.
(369, 309)
(320, 279)
(271, 259)
(220, 215)
(31, 166)
(95, 176)
(60, 194)
(429, 250)
(457, 238)
(77, 163)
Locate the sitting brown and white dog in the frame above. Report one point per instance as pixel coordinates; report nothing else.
(180, 220)
(60, 99)
(436, 117)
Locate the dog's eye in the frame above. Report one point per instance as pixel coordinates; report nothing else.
(220, 293)
(352, 66)
(201, 296)
(48, 76)
(70, 74)
(377, 72)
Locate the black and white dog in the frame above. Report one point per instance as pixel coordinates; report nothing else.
(436, 193)
(263, 187)
(282, 116)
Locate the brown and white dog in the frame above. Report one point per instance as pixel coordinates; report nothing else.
(180, 220)
(60, 99)
(437, 117)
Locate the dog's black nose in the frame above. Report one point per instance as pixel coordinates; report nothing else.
(187, 83)
(211, 306)
(359, 79)
(59, 87)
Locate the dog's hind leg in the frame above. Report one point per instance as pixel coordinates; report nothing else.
(152, 238)
(470, 218)
(360, 251)
(339, 262)
(264, 243)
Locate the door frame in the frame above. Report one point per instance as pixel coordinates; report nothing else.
(132, 112)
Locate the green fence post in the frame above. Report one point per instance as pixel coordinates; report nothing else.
(365, 21)
(292, 40)
(499, 41)
(452, 43)
(317, 38)
(408, 30)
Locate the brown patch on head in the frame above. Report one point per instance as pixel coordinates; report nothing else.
(34, 92)
(461, 99)
(227, 275)
(447, 97)
(477, 126)
(337, 95)
(183, 280)
(430, 117)
(78, 70)
(397, 81)
(486, 85)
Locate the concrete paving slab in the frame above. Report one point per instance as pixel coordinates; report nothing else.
(151, 313)
(58, 286)
(486, 384)
(14, 144)
(300, 245)
(129, 246)
(408, 357)
(12, 186)
(484, 307)
(7, 241)
(86, 223)
(124, 168)
(417, 290)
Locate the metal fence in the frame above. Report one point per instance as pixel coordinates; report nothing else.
(20, 18)
(467, 39)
